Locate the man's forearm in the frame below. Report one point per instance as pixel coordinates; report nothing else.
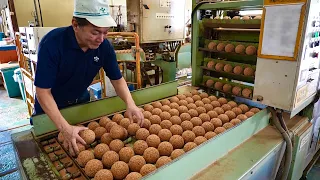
(50, 107)
(123, 92)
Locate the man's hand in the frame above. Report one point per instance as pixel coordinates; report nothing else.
(71, 136)
(134, 111)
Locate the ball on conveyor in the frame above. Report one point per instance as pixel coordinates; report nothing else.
(100, 149)
(147, 114)
(133, 128)
(199, 103)
(232, 104)
(226, 88)
(193, 112)
(148, 168)
(99, 131)
(246, 17)
(246, 93)
(185, 117)
(251, 50)
(236, 17)
(174, 99)
(199, 131)
(248, 71)
(174, 112)
(228, 68)
(120, 170)
(208, 107)
(153, 141)
(93, 125)
(142, 134)
(165, 124)
(146, 124)
(165, 108)
(165, 115)
(156, 104)
(156, 111)
(244, 108)
(117, 132)
(173, 106)
(106, 138)
(92, 167)
(240, 49)
(208, 126)
(177, 153)
(104, 121)
(203, 95)
(139, 147)
(133, 176)
(163, 160)
(201, 110)
(206, 101)
(229, 48)
(176, 130)
(181, 96)
(218, 110)
(216, 122)
(196, 98)
(125, 122)
(235, 121)
(117, 118)
(186, 125)
(116, 145)
(165, 102)
(212, 45)
(188, 94)
(219, 130)
(182, 109)
(236, 91)
(218, 85)
(165, 148)
(190, 100)
(242, 117)
(249, 114)
(222, 101)
(155, 119)
(254, 110)
(148, 107)
(230, 114)
(188, 136)
(191, 106)
(210, 135)
(204, 117)
(221, 47)
(88, 136)
(199, 140)
(215, 104)
(196, 121)
(151, 155)
(183, 103)
(212, 114)
(155, 128)
(103, 174)
(84, 157)
(228, 125)
(189, 146)
(136, 163)
(211, 64)
(195, 92)
(109, 158)
(226, 107)
(238, 70)
(219, 67)
(126, 153)
(177, 141)
(226, 17)
(237, 110)
(164, 134)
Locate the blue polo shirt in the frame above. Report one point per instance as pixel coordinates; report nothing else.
(67, 70)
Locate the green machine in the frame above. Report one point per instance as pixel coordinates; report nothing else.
(271, 143)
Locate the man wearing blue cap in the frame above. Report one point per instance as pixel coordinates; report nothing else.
(68, 60)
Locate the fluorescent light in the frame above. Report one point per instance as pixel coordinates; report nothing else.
(250, 12)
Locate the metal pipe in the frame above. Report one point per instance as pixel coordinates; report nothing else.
(8, 172)
(40, 12)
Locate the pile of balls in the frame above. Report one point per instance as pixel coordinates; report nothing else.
(225, 67)
(228, 88)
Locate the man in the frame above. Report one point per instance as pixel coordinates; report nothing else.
(68, 60)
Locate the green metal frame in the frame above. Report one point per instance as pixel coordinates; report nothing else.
(84, 112)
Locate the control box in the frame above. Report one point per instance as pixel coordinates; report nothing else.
(289, 83)
(157, 20)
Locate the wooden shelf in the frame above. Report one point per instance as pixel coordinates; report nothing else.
(249, 79)
(236, 29)
(223, 52)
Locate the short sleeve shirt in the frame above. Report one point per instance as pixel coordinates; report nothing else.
(66, 69)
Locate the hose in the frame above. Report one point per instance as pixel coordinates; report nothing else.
(283, 124)
(288, 152)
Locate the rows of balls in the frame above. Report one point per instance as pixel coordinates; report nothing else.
(238, 17)
(228, 88)
(230, 48)
(238, 70)
(171, 128)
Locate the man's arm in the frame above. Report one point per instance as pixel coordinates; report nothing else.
(70, 133)
(123, 92)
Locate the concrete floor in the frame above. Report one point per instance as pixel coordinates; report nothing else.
(13, 113)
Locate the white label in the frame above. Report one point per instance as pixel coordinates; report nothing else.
(304, 141)
(164, 16)
(165, 3)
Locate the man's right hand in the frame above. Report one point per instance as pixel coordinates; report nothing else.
(71, 136)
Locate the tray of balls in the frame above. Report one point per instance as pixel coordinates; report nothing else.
(119, 149)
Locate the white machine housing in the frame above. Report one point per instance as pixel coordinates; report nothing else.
(157, 20)
(291, 85)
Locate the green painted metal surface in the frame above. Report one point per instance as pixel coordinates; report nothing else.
(168, 68)
(210, 151)
(84, 112)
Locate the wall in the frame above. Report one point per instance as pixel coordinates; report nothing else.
(24, 9)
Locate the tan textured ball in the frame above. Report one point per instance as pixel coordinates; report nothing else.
(249, 114)
(175, 120)
(177, 153)
(174, 99)
(195, 92)
(199, 140)
(236, 91)
(165, 134)
(191, 106)
(165, 115)
(248, 71)
(126, 154)
(236, 17)
(81, 147)
(210, 135)
(84, 157)
(237, 110)
(240, 49)
(146, 169)
(147, 114)
(226, 88)
(185, 117)
(92, 167)
(219, 130)
(196, 121)
(188, 94)
(117, 132)
(212, 45)
(99, 131)
(181, 96)
(174, 112)
(210, 64)
(232, 104)
(120, 170)
(155, 119)
(153, 140)
(212, 114)
(93, 125)
(206, 101)
(235, 121)
(104, 121)
(109, 158)
(189, 146)
(201, 110)
(222, 101)
(229, 48)
(208, 126)
(116, 145)
(139, 147)
(106, 138)
(136, 163)
(186, 125)
(133, 176)
(151, 155)
(103, 174)
(244, 108)
(100, 149)
(133, 128)
(208, 107)
(183, 103)
(193, 113)
(177, 141)
(230, 114)
(199, 103)
(226, 107)
(238, 70)
(204, 95)
(215, 104)
(155, 128)
(148, 107)
(224, 118)
(212, 98)
(117, 118)
(165, 124)
(188, 136)
(146, 124)
(183, 109)
(228, 68)
(219, 66)
(176, 130)
(216, 122)
(218, 85)
(218, 110)
(251, 50)
(156, 111)
(247, 93)
(165, 108)
(189, 100)
(88, 136)
(110, 125)
(228, 125)
(242, 117)
(174, 106)
(221, 46)
(196, 98)
(165, 148)
(204, 117)
(255, 110)
(142, 134)
(156, 104)
(199, 131)
(165, 102)
(163, 160)
(125, 122)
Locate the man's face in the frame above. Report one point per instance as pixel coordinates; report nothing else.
(90, 36)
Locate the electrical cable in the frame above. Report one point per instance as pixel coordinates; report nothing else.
(40, 13)
(286, 137)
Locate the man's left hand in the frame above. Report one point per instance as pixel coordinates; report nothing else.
(134, 112)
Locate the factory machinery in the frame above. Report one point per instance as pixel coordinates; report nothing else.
(251, 113)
